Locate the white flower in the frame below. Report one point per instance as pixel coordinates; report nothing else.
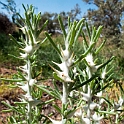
(24, 87)
(70, 61)
(85, 108)
(27, 97)
(116, 106)
(121, 101)
(101, 101)
(97, 117)
(23, 29)
(62, 66)
(24, 68)
(86, 96)
(99, 94)
(103, 73)
(89, 59)
(24, 56)
(86, 120)
(28, 49)
(55, 122)
(74, 70)
(63, 75)
(32, 82)
(78, 113)
(65, 54)
(93, 106)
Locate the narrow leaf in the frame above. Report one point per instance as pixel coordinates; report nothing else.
(51, 41)
(97, 33)
(11, 80)
(62, 26)
(88, 31)
(100, 47)
(57, 108)
(84, 83)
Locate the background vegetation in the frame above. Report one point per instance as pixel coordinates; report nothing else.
(109, 13)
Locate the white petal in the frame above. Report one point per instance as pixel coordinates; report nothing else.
(55, 122)
(28, 49)
(32, 82)
(78, 113)
(23, 55)
(93, 105)
(89, 59)
(64, 76)
(121, 101)
(86, 120)
(65, 54)
(24, 87)
(97, 117)
(62, 66)
(99, 94)
(86, 97)
(28, 97)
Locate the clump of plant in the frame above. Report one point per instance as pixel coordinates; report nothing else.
(83, 76)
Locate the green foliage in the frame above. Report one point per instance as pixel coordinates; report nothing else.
(6, 26)
(84, 76)
(107, 13)
(6, 45)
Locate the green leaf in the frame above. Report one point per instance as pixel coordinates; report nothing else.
(20, 103)
(100, 47)
(15, 57)
(79, 27)
(72, 36)
(56, 77)
(98, 33)
(11, 80)
(8, 110)
(121, 88)
(41, 29)
(107, 101)
(62, 26)
(58, 109)
(28, 22)
(88, 30)
(103, 65)
(83, 55)
(84, 83)
(52, 42)
(79, 24)
(11, 107)
(52, 93)
(31, 37)
(13, 39)
(85, 41)
(93, 34)
(106, 112)
(70, 113)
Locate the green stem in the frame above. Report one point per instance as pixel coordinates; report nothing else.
(29, 113)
